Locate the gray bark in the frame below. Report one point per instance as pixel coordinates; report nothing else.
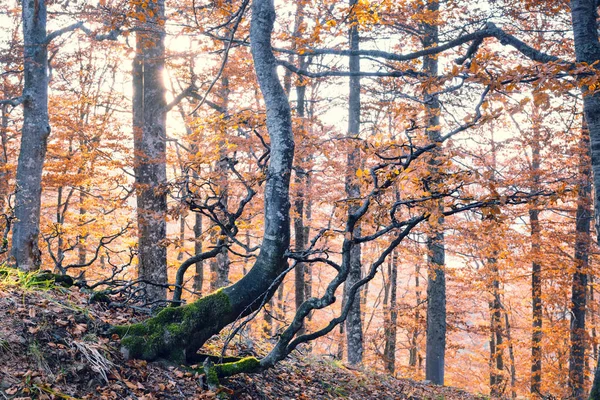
(414, 358)
(587, 49)
(436, 282)
(579, 285)
(497, 381)
(354, 335)
(81, 248)
(536, 273)
(389, 353)
(219, 266)
(301, 177)
(34, 136)
(199, 275)
(149, 124)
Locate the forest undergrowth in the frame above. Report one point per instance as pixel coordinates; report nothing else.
(54, 344)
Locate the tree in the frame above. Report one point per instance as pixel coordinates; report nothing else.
(579, 285)
(149, 127)
(36, 128)
(436, 282)
(354, 334)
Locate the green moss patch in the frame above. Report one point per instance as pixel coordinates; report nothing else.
(169, 333)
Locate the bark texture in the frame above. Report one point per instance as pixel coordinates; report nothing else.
(354, 335)
(587, 49)
(497, 381)
(579, 285)
(389, 352)
(149, 130)
(436, 282)
(536, 273)
(34, 137)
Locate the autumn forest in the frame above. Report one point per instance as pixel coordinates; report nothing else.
(405, 187)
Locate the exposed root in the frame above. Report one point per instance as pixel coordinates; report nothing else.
(98, 362)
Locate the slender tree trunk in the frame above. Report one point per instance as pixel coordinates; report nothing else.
(34, 137)
(587, 50)
(300, 232)
(536, 274)
(219, 266)
(181, 237)
(81, 247)
(354, 335)
(4, 119)
(496, 337)
(389, 353)
(579, 285)
(592, 315)
(60, 241)
(149, 121)
(299, 277)
(308, 267)
(199, 275)
(436, 283)
(413, 352)
(511, 355)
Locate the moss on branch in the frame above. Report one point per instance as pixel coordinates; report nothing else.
(174, 330)
(245, 365)
(215, 372)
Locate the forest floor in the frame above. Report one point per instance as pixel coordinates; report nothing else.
(52, 347)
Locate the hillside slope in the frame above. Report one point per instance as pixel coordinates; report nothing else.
(52, 347)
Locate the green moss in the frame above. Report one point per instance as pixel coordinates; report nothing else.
(130, 330)
(171, 330)
(174, 329)
(246, 364)
(133, 344)
(212, 378)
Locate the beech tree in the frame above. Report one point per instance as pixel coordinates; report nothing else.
(149, 127)
(35, 131)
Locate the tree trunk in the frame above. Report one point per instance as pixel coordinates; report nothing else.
(414, 336)
(536, 273)
(149, 124)
(199, 275)
(219, 266)
(308, 268)
(354, 335)
(579, 285)
(178, 332)
(497, 383)
(34, 136)
(301, 178)
(4, 118)
(181, 251)
(511, 354)
(436, 283)
(389, 353)
(81, 247)
(587, 50)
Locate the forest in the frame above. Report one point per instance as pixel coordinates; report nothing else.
(404, 188)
